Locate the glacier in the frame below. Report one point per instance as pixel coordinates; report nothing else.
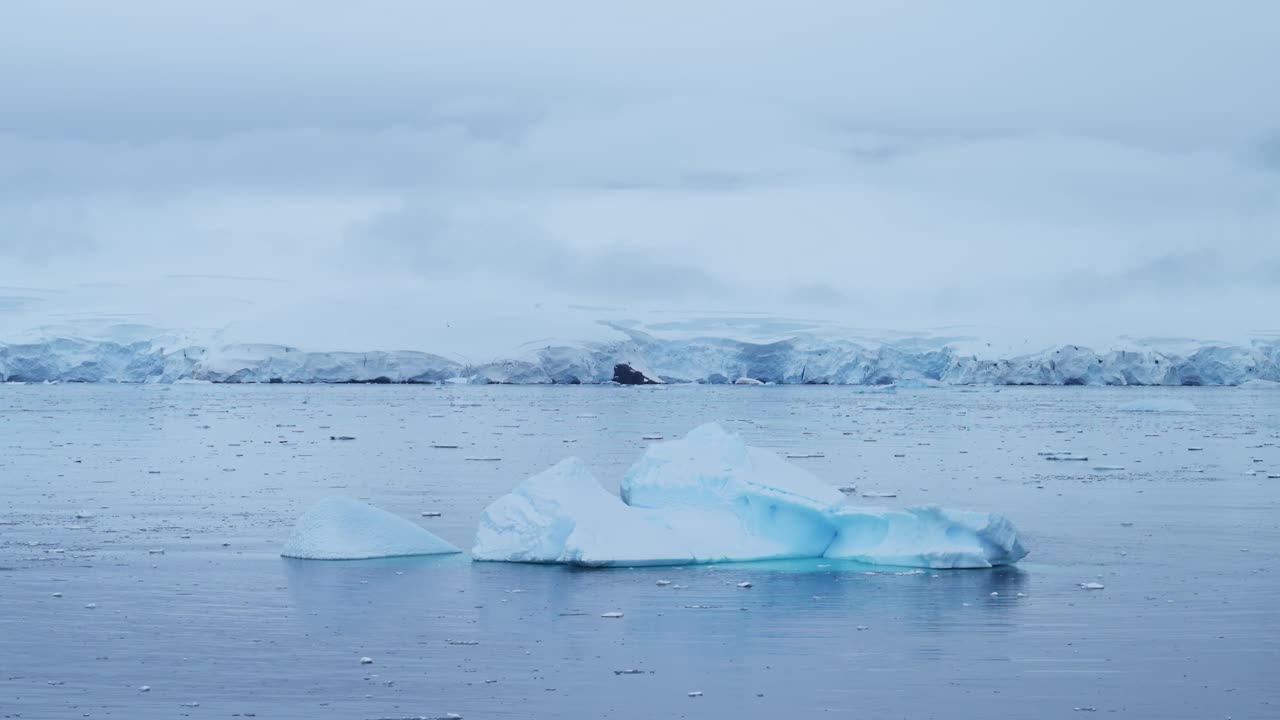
(709, 497)
(339, 528)
(640, 358)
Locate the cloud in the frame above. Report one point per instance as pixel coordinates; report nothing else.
(451, 237)
(838, 161)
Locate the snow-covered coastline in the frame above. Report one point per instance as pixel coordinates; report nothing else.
(801, 360)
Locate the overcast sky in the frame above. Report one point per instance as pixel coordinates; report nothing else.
(466, 177)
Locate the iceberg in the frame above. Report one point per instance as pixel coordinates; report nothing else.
(930, 537)
(709, 497)
(1159, 405)
(563, 515)
(769, 507)
(342, 529)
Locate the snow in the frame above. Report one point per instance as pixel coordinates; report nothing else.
(342, 529)
(1159, 405)
(709, 497)
(713, 360)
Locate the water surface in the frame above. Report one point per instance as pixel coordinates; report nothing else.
(95, 479)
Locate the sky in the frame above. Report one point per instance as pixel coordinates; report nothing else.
(467, 178)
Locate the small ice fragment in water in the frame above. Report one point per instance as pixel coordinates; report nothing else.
(628, 672)
(1092, 586)
(366, 661)
(650, 437)
(663, 583)
(144, 688)
(430, 513)
(156, 551)
(696, 693)
(848, 489)
(862, 627)
(91, 606)
(744, 585)
(880, 494)
(341, 437)
(483, 459)
(611, 615)
(57, 594)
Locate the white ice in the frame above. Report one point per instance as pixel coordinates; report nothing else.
(709, 497)
(342, 529)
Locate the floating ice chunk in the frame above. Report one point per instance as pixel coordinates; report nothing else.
(710, 480)
(563, 515)
(342, 529)
(611, 615)
(1159, 405)
(929, 537)
(366, 661)
(1092, 586)
(747, 381)
(710, 498)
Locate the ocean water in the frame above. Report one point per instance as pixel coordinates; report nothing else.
(1174, 513)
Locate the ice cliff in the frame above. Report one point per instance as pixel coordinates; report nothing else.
(638, 358)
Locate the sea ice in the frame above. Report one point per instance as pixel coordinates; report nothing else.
(342, 529)
(1159, 405)
(709, 497)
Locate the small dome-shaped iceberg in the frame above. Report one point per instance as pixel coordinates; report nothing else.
(338, 528)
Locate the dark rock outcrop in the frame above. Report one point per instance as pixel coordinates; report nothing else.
(624, 374)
